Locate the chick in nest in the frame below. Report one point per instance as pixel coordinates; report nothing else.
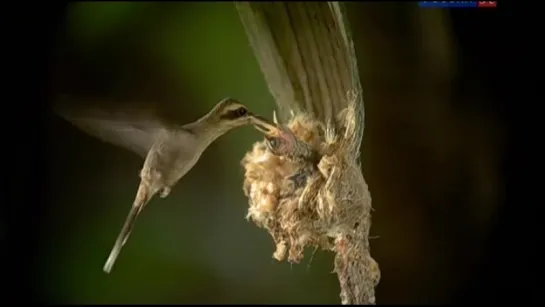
(301, 182)
(306, 188)
(277, 171)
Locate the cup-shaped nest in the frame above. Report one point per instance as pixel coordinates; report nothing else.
(303, 201)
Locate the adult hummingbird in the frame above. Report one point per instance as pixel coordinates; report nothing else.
(170, 151)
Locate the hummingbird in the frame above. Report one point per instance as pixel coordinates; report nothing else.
(170, 151)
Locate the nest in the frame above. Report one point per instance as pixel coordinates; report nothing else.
(302, 202)
(312, 194)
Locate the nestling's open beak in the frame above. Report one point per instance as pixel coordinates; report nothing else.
(279, 139)
(265, 126)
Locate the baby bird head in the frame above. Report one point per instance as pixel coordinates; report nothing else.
(280, 140)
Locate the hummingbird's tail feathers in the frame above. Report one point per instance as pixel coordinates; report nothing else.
(122, 238)
(142, 198)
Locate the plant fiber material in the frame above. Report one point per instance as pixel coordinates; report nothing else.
(316, 200)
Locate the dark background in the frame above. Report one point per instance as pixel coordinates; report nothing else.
(454, 183)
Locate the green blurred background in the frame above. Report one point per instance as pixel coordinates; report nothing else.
(431, 156)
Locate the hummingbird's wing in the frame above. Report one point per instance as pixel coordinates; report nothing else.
(135, 132)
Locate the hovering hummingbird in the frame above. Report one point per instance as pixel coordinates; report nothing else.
(170, 151)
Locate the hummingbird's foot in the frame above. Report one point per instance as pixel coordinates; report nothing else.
(164, 192)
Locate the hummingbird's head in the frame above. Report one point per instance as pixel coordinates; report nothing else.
(230, 113)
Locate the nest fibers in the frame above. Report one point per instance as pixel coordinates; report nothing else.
(317, 200)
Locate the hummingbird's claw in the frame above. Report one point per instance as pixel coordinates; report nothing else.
(164, 192)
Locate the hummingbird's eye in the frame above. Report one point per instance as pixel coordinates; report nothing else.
(241, 112)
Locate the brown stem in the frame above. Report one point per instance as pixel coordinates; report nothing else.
(306, 54)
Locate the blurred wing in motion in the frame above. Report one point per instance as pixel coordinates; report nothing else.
(135, 132)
